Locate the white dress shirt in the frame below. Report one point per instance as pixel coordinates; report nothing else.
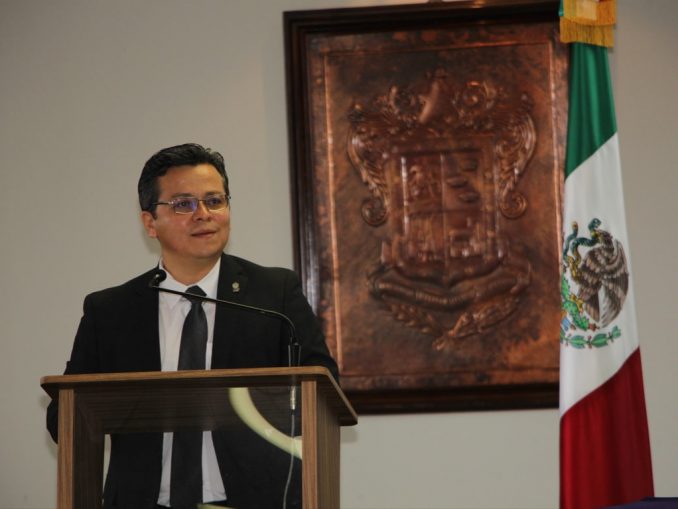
(172, 312)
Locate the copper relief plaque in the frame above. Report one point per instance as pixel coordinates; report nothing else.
(432, 193)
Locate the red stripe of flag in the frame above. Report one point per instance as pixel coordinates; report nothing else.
(605, 445)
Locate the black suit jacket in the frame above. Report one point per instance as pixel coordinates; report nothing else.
(119, 333)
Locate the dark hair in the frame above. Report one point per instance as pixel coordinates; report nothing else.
(188, 154)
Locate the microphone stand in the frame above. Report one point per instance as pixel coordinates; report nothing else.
(293, 349)
(293, 346)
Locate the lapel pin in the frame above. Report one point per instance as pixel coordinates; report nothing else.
(236, 287)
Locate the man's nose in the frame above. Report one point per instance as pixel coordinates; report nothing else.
(201, 211)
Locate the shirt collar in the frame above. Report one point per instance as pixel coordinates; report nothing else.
(208, 284)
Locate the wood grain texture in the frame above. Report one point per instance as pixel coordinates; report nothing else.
(92, 405)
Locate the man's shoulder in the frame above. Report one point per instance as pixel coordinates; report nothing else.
(236, 264)
(125, 290)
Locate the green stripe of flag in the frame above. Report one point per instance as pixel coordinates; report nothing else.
(591, 119)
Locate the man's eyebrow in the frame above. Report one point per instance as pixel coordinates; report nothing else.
(189, 195)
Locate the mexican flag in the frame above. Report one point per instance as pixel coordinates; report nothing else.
(604, 441)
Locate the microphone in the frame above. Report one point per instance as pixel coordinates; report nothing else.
(159, 276)
(293, 348)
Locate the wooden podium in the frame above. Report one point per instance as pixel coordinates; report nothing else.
(91, 406)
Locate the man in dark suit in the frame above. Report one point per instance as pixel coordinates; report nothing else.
(185, 202)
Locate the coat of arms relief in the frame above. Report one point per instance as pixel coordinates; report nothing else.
(427, 163)
(443, 163)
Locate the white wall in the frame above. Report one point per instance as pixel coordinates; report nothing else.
(90, 88)
(645, 77)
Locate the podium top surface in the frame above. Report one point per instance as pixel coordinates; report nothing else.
(144, 385)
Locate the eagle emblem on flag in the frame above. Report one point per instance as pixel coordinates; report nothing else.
(593, 287)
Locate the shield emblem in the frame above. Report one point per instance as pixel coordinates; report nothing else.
(443, 213)
(442, 185)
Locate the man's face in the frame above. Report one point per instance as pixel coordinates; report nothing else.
(195, 240)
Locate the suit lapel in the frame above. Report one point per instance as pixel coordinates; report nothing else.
(233, 285)
(144, 326)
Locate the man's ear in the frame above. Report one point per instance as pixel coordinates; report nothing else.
(148, 221)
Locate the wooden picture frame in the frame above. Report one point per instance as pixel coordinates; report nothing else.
(426, 157)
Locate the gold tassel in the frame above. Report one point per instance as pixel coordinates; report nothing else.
(589, 34)
(591, 12)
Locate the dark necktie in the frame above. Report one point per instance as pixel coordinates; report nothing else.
(186, 473)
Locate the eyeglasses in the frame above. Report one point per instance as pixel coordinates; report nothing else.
(189, 204)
